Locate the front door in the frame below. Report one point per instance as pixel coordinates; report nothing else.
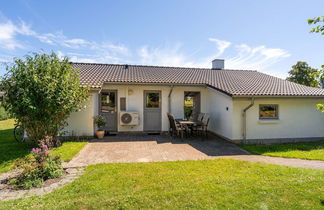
(152, 111)
(108, 109)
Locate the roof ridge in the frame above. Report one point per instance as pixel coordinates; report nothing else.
(176, 67)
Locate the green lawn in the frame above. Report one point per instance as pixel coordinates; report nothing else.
(10, 150)
(311, 151)
(204, 184)
(68, 150)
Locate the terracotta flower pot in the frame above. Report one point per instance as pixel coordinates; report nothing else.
(100, 134)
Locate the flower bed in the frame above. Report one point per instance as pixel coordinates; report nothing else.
(35, 169)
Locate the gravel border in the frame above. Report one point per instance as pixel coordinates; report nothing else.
(10, 194)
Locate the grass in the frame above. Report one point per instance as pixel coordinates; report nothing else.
(204, 184)
(310, 151)
(10, 150)
(68, 150)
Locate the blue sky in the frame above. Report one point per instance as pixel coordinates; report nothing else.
(268, 36)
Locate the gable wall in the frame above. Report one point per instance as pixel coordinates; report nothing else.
(220, 109)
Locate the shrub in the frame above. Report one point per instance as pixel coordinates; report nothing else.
(37, 168)
(100, 121)
(320, 107)
(41, 91)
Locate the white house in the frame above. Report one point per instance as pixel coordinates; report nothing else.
(243, 105)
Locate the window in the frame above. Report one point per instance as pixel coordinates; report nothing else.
(122, 104)
(268, 111)
(108, 101)
(152, 100)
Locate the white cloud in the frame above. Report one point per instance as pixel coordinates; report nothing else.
(221, 45)
(240, 56)
(165, 56)
(60, 54)
(260, 57)
(83, 60)
(60, 39)
(8, 33)
(113, 47)
(76, 41)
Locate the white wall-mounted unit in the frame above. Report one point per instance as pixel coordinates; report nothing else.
(129, 118)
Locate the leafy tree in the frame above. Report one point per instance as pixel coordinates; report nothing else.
(302, 73)
(320, 107)
(41, 92)
(318, 29)
(319, 21)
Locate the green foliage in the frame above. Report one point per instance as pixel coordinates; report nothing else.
(320, 107)
(41, 92)
(11, 151)
(37, 168)
(319, 21)
(99, 120)
(318, 29)
(3, 114)
(303, 74)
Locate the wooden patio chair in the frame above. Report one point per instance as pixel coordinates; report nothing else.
(198, 123)
(203, 127)
(170, 123)
(200, 117)
(177, 129)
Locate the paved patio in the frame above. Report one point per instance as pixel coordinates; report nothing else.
(149, 148)
(153, 148)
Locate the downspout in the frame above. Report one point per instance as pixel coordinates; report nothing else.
(169, 99)
(244, 118)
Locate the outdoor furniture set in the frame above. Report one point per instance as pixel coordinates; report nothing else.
(188, 128)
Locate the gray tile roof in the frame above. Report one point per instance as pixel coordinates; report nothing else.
(230, 82)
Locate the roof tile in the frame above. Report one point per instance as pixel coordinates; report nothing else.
(231, 82)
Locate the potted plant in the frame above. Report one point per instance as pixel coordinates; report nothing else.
(100, 121)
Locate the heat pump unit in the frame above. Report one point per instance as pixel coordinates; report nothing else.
(128, 118)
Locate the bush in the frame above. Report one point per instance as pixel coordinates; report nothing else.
(37, 168)
(100, 121)
(41, 91)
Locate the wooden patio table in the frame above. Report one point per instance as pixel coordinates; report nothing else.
(186, 123)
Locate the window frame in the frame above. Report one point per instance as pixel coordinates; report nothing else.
(146, 100)
(108, 107)
(269, 118)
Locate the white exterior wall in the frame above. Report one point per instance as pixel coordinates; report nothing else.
(298, 118)
(135, 102)
(81, 123)
(220, 109)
